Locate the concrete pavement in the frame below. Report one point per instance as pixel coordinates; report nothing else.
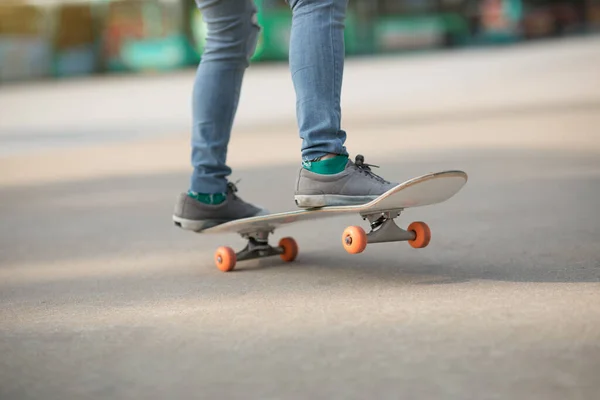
(102, 297)
(466, 85)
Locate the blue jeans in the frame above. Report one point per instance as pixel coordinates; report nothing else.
(316, 60)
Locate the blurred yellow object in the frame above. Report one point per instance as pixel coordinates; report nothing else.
(20, 18)
(74, 26)
(25, 47)
(75, 39)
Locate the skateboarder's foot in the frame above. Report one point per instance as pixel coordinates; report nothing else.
(193, 214)
(355, 184)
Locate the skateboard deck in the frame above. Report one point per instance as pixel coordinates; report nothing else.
(432, 188)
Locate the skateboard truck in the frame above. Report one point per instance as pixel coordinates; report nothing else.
(257, 247)
(384, 229)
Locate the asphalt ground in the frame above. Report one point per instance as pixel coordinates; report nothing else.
(102, 297)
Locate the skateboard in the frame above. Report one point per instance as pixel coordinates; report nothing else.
(381, 213)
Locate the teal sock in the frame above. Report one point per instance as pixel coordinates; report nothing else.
(208, 198)
(328, 166)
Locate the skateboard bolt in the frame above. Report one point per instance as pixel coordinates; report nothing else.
(220, 259)
(348, 240)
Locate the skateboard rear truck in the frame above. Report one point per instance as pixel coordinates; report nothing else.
(384, 229)
(257, 247)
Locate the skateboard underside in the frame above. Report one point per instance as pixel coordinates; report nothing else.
(380, 213)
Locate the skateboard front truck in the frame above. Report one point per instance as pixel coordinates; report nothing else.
(258, 247)
(384, 229)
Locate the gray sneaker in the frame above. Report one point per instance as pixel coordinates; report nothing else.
(191, 214)
(356, 184)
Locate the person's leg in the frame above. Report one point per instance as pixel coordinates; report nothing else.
(231, 41)
(317, 66)
(327, 176)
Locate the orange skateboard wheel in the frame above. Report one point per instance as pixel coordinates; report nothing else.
(225, 259)
(290, 249)
(354, 239)
(422, 234)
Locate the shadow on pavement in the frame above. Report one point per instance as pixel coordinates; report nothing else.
(522, 217)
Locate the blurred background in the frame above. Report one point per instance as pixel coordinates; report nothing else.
(62, 38)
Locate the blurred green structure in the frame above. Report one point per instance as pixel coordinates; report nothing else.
(145, 35)
(275, 20)
(59, 38)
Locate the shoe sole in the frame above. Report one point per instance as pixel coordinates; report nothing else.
(200, 225)
(329, 200)
(194, 225)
